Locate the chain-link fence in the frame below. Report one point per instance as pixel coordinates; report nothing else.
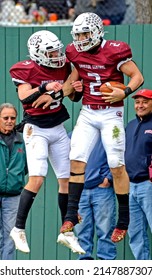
(130, 16)
(25, 11)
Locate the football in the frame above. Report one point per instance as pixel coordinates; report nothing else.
(104, 88)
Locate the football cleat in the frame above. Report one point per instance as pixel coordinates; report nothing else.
(69, 240)
(67, 226)
(118, 235)
(20, 241)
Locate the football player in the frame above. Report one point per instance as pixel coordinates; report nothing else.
(97, 61)
(44, 134)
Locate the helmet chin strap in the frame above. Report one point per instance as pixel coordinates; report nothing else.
(94, 48)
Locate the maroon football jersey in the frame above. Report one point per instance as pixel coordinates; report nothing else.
(30, 72)
(96, 68)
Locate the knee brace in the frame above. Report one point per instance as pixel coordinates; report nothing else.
(77, 177)
(76, 174)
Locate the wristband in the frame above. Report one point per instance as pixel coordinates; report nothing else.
(128, 91)
(77, 97)
(42, 88)
(55, 95)
(31, 98)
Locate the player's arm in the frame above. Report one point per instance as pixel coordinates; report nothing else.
(136, 80)
(131, 70)
(73, 87)
(37, 95)
(25, 90)
(67, 86)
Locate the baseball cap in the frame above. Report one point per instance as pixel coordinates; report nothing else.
(147, 93)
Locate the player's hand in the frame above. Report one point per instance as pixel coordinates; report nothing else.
(105, 183)
(116, 95)
(77, 85)
(45, 99)
(56, 86)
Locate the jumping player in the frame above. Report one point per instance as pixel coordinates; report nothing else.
(44, 134)
(98, 61)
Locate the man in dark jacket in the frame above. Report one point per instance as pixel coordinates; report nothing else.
(138, 160)
(12, 173)
(60, 7)
(113, 10)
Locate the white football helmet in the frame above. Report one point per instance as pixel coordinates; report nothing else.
(41, 44)
(87, 22)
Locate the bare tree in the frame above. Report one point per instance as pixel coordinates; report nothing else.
(143, 11)
(150, 1)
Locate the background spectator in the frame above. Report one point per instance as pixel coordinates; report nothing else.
(84, 6)
(138, 159)
(12, 173)
(97, 208)
(130, 15)
(113, 10)
(60, 7)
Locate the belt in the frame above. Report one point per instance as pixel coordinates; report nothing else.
(98, 107)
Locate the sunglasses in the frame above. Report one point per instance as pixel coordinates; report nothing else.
(6, 118)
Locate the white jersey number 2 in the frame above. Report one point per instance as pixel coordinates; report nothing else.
(96, 83)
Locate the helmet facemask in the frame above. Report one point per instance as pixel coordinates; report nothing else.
(57, 61)
(40, 46)
(87, 23)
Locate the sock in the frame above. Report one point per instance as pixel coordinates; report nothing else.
(123, 211)
(75, 190)
(18, 229)
(63, 203)
(26, 201)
